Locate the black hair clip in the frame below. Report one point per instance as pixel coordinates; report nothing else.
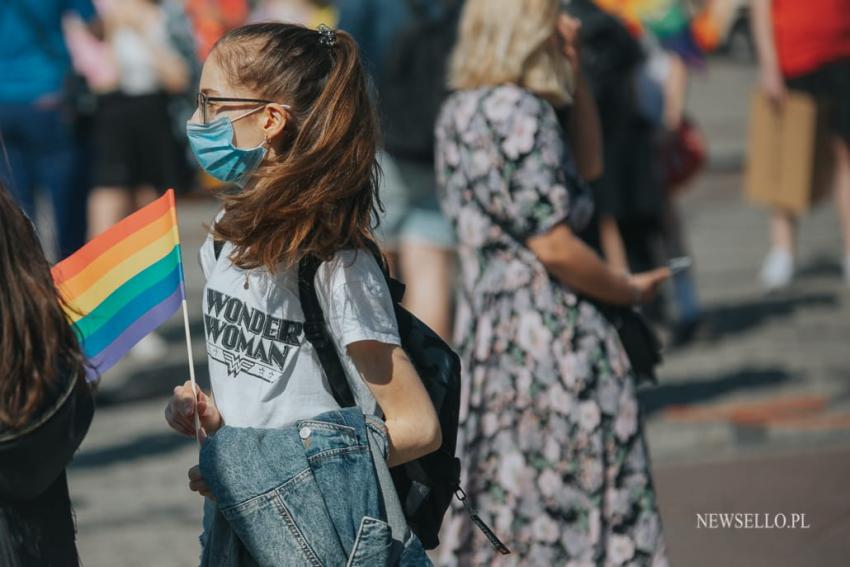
(327, 36)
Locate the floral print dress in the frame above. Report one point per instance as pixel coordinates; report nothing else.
(554, 456)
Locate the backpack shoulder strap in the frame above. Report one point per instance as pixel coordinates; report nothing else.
(317, 334)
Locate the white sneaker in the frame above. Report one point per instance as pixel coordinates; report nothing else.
(777, 270)
(149, 348)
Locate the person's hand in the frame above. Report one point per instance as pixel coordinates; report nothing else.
(568, 29)
(646, 284)
(772, 84)
(180, 412)
(198, 484)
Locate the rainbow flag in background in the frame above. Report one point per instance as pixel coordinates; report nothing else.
(125, 283)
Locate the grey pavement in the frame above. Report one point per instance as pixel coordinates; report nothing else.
(718, 98)
(753, 417)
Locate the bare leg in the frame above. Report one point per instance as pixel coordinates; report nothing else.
(783, 231)
(107, 205)
(675, 93)
(778, 268)
(144, 195)
(612, 244)
(428, 272)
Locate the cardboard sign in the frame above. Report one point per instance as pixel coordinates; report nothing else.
(789, 159)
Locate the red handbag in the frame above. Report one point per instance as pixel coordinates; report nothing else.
(683, 155)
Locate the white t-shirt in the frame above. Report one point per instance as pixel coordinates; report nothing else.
(264, 372)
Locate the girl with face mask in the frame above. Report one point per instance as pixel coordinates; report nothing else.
(284, 113)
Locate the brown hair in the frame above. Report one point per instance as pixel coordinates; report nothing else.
(39, 350)
(320, 194)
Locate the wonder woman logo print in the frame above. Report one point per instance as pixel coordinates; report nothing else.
(246, 340)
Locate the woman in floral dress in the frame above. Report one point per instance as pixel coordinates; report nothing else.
(553, 448)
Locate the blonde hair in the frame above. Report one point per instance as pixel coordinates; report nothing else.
(511, 41)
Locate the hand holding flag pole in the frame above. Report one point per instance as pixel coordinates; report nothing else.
(195, 388)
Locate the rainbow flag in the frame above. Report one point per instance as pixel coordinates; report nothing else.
(125, 283)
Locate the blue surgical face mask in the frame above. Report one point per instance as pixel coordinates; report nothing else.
(213, 147)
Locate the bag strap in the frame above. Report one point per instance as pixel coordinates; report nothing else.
(317, 334)
(316, 331)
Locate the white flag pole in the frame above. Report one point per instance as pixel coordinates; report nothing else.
(191, 365)
(195, 389)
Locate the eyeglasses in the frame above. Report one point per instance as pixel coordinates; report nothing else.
(204, 100)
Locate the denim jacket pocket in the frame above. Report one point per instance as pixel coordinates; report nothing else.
(288, 526)
(323, 440)
(373, 545)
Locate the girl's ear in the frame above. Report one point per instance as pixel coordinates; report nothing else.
(275, 118)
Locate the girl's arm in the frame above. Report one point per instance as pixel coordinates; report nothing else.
(675, 92)
(762, 26)
(575, 264)
(413, 429)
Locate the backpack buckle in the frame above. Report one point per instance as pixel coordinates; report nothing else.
(491, 536)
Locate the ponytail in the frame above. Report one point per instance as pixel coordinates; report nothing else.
(320, 194)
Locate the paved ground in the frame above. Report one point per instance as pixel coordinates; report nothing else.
(753, 418)
(757, 418)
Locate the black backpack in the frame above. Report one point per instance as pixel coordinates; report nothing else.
(426, 485)
(413, 82)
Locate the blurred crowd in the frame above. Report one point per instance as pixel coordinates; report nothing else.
(113, 83)
(533, 156)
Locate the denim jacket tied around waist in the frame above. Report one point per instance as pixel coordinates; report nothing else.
(315, 493)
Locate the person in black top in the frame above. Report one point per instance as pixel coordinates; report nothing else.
(46, 403)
